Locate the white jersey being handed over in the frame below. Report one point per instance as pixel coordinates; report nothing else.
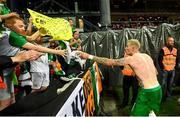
(40, 65)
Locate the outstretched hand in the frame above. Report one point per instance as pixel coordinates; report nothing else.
(82, 55)
(62, 52)
(27, 56)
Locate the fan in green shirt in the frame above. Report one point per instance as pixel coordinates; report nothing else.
(17, 40)
(16, 25)
(5, 13)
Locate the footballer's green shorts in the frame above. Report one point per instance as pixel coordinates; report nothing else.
(147, 100)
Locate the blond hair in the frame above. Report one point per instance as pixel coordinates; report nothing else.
(134, 42)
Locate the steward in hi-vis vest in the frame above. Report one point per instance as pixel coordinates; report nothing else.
(129, 82)
(128, 71)
(169, 58)
(167, 61)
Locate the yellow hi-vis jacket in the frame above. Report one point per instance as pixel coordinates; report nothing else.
(169, 58)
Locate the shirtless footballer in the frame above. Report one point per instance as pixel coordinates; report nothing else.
(150, 94)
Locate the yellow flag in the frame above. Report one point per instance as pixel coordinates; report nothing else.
(58, 28)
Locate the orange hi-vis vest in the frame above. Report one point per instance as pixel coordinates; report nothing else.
(128, 71)
(169, 58)
(2, 84)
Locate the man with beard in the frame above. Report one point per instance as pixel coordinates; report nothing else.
(167, 60)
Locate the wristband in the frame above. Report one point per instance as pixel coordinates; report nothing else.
(90, 57)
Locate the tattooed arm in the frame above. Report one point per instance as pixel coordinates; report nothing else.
(111, 62)
(106, 61)
(102, 60)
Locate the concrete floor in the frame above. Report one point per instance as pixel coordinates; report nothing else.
(110, 107)
(109, 103)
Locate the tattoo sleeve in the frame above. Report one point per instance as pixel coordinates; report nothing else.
(109, 62)
(120, 62)
(101, 60)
